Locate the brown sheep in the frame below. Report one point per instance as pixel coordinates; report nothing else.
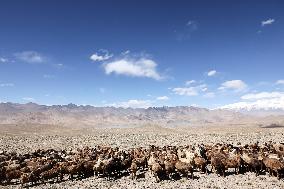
(184, 169)
(273, 165)
(218, 164)
(252, 163)
(234, 162)
(99, 167)
(75, 169)
(51, 174)
(157, 170)
(26, 178)
(169, 167)
(88, 168)
(141, 162)
(2, 174)
(10, 175)
(133, 169)
(200, 163)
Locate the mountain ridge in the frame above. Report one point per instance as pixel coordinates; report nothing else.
(87, 115)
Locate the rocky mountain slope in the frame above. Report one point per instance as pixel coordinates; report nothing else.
(73, 115)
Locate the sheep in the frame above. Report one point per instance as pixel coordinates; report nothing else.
(157, 171)
(167, 161)
(50, 174)
(75, 169)
(235, 163)
(252, 163)
(26, 178)
(274, 165)
(99, 167)
(2, 174)
(185, 169)
(218, 164)
(169, 167)
(13, 174)
(200, 163)
(141, 162)
(133, 169)
(152, 160)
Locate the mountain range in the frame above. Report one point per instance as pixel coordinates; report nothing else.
(80, 116)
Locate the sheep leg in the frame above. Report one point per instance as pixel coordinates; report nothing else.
(157, 178)
(223, 171)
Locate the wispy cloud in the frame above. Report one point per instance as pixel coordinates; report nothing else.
(236, 85)
(29, 99)
(190, 82)
(267, 22)
(31, 57)
(262, 95)
(185, 91)
(187, 30)
(211, 73)
(59, 66)
(263, 100)
(101, 55)
(7, 84)
(48, 76)
(190, 91)
(135, 67)
(280, 82)
(3, 60)
(162, 98)
(209, 95)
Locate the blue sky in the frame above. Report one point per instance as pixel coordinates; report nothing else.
(142, 53)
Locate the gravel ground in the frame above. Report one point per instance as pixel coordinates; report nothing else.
(144, 136)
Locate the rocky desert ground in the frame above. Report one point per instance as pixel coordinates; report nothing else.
(27, 138)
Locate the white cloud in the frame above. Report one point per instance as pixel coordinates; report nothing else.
(267, 22)
(30, 57)
(185, 91)
(190, 91)
(209, 95)
(262, 95)
(262, 100)
(204, 89)
(47, 76)
(280, 82)
(237, 85)
(133, 104)
(101, 55)
(190, 82)
(125, 52)
(7, 85)
(29, 99)
(266, 104)
(3, 60)
(211, 73)
(141, 67)
(162, 98)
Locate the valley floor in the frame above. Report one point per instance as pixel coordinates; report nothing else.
(35, 137)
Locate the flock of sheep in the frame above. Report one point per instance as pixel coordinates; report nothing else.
(168, 162)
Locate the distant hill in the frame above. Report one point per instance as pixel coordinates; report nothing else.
(79, 116)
